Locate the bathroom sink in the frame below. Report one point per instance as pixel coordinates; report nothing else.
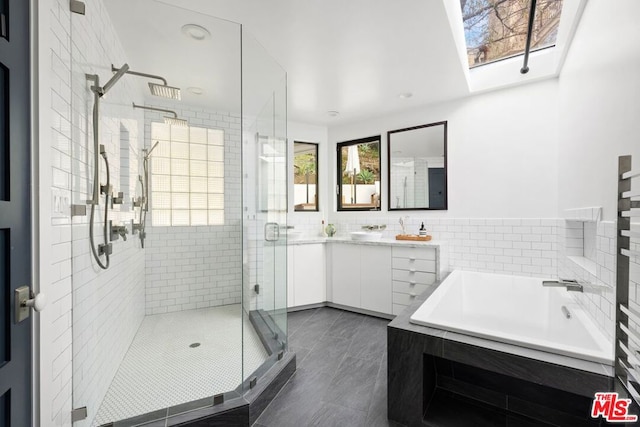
(366, 236)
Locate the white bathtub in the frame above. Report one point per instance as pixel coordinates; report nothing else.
(515, 310)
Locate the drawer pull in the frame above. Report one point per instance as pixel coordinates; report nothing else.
(412, 294)
(412, 282)
(412, 270)
(412, 258)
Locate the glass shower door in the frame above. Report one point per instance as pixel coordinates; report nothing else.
(265, 198)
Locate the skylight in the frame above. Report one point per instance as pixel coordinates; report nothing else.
(497, 29)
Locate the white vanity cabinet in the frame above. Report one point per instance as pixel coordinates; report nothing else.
(361, 276)
(414, 269)
(345, 274)
(375, 278)
(306, 274)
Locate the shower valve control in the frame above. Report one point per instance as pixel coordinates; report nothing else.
(118, 231)
(119, 199)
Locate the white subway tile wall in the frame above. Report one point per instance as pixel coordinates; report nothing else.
(93, 327)
(193, 267)
(525, 246)
(59, 410)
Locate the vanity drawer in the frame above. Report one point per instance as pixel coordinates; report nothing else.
(418, 277)
(409, 288)
(426, 265)
(414, 253)
(402, 299)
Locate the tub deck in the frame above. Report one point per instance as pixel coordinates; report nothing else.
(432, 371)
(516, 310)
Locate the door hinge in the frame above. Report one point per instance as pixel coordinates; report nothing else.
(76, 6)
(218, 399)
(256, 288)
(79, 414)
(338, 189)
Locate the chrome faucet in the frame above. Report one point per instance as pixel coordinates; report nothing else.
(571, 285)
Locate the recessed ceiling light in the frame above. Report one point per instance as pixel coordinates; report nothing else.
(196, 32)
(333, 113)
(195, 90)
(405, 95)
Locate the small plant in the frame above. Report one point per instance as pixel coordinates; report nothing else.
(366, 176)
(305, 166)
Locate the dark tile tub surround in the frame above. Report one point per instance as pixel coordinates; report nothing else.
(441, 378)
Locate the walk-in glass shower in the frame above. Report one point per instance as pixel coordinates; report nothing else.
(179, 286)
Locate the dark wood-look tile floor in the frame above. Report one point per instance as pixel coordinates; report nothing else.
(341, 378)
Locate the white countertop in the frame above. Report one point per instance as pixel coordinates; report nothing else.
(346, 239)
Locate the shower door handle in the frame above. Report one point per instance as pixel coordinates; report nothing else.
(271, 229)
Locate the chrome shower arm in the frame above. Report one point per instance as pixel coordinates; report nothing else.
(117, 76)
(162, 110)
(137, 73)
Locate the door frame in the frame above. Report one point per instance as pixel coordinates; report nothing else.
(34, 58)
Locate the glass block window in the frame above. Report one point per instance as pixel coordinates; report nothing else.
(187, 176)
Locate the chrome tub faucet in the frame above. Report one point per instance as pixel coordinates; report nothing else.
(571, 285)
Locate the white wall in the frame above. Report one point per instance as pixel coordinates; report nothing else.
(501, 152)
(599, 105)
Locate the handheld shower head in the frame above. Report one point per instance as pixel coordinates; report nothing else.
(148, 154)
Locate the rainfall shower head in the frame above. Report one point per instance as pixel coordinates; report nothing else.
(163, 90)
(175, 121)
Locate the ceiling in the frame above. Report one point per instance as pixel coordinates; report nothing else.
(355, 57)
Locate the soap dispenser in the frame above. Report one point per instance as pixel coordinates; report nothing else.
(422, 231)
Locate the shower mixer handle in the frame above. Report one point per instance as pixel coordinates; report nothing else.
(117, 200)
(118, 231)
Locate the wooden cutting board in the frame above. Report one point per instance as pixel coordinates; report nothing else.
(413, 237)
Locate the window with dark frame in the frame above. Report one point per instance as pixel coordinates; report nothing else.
(305, 177)
(359, 174)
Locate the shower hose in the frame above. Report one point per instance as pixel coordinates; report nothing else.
(96, 191)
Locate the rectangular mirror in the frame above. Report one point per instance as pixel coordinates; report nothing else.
(305, 176)
(418, 167)
(359, 174)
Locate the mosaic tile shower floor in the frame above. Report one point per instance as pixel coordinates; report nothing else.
(161, 368)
